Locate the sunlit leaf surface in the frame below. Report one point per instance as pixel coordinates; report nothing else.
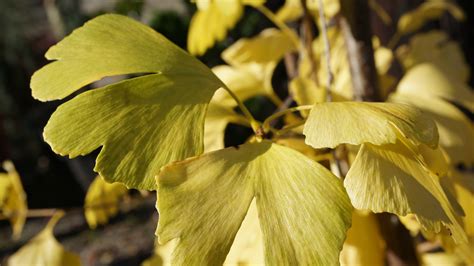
(141, 123)
(303, 209)
(334, 123)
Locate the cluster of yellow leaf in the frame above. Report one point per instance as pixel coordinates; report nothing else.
(102, 201)
(44, 249)
(12, 198)
(151, 131)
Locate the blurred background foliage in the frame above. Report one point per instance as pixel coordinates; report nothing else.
(29, 27)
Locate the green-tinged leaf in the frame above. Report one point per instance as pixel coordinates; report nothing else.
(102, 201)
(427, 80)
(455, 129)
(334, 123)
(429, 10)
(436, 48)
(217, 119)
(245, 81)
(364, 244)
(13, 203)
(267, 47)
(391, 178)
(303, 209)
(211, 22)
(141, 123)
(44, 250)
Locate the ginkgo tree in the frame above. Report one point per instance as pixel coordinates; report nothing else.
(280, 197)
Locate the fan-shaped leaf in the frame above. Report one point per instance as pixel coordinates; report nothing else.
(44, 250)
(390, 178)
(303, 209)
(330, 124)
(141, 123)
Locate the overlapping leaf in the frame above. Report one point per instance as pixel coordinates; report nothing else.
(142, 123)
(102, 201)
(303, 210)
(13, 203)
(391, 178)
(269, 46)
(212, 20)
(429, 10)
(292, 9)
(44, 250)
(331, 124)
(454, 127)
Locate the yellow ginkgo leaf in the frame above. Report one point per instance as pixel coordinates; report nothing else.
(102, 201)
(44, 250)
(293, 10)
(211, 22)
(13, 199)
(455, 129)
(391, 178)
(429, 10)
(333, 123)
(269, 46)
(305, 92)
(161, 254)
(427, 80)
(303, 209)
(436, 48)
(247, 248)
(440, 258)
(245, 81)
(364, 243)
(217, 118)
(141, 124)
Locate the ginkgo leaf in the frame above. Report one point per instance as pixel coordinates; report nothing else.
(427, 80)
(44, 249)
(13, 203)
(161, 254)
(293, 10)
(453, 126)
(440, 258)
(247, 248)
(333, 123)
(390, 178)
(141, 123)
(217, 118)
(305, 92)
(268, 46)
(436, 48)
(364, 244)
(102, 201)
(303, 209)
(428, 10)
(211, 22)
(245, 81)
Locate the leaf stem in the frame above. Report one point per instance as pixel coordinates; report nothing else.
(254, 124)
(266, 124)
(288, 128)
(280, 24)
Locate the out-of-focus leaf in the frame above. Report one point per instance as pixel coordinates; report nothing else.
(455, 129)
(141, 123)
(246, 81)
(102, 201)
(292, 193)
(364, 243)
(333, 123)
(390, 178)
(440, 258)
(217, 118)
(44, 250)
(428, 80)
(13, 199)
(305, 92)
(293, 10)
(269, 46)
(436, 48)
(428, 10)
